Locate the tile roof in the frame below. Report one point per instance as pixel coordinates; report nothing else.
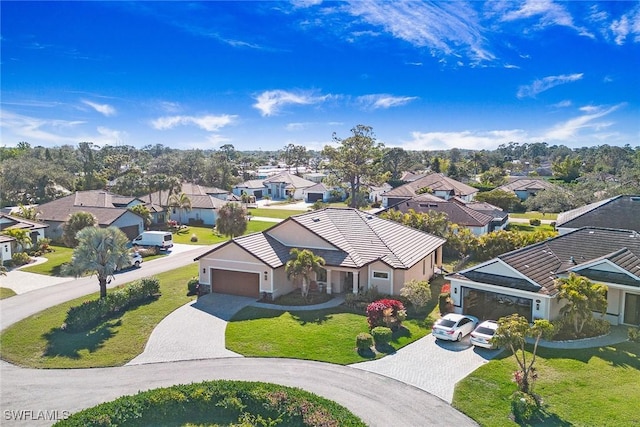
(99, 205)
(198, 201)
(543, 262)
(456, 213)
(619, 211)
(434, 181)
(359, 238)
(318, 188)
(526, 184)
(190, 189)
(291, 179)
(252, 183)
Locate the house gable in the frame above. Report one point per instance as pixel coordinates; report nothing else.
(294, 235)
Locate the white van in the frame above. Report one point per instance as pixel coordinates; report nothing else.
(162, 240)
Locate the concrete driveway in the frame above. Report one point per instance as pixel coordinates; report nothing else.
(194, 331)
(431, 365)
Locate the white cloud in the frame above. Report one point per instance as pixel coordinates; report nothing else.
(36, 130)
(627, 25)
(294, 127)
(209, 123)
(104, 109)
(547, 12)
(271, 102)
(383, 100)
(110, 136)
(563, 104)
(546, 83)
(572, 128)
(447, 28)
(474, 140)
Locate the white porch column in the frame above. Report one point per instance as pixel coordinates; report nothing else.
(328, 281)
(355, 281)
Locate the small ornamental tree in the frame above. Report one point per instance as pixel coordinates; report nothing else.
(512, 333)
(76, 222)
(417, 292)
(386, 312)
(232, 220)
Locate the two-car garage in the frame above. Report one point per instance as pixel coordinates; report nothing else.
(235, 282)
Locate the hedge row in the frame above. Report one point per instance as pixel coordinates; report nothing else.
(218, 403)
(90, 313)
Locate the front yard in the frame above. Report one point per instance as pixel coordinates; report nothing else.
(322, 335)
(586, 387)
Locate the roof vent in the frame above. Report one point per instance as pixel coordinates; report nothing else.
(572, 259)
(316, 219)
(369, 217)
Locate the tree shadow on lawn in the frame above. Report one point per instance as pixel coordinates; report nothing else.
(546, 418)
(69, 345)
(314, 316)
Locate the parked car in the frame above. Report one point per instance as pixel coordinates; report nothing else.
(135, 259)
(162, 240)
(482, 334)
(453, 327)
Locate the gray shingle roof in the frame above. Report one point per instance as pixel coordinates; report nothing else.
(456, 212)
(619, 211)
(526, 184)
(21, 223)
(60, 209)
(288, 178)
(545, 261)
(435, 181)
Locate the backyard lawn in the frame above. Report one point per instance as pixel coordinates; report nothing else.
(38, 341)
(323, 335)
(586, 387)
(206, 236)
(535, 215)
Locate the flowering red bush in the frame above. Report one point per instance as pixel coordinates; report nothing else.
(385, 312)
(446, 288)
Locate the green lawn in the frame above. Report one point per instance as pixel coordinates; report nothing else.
(206, 236)
(274, 213)
(587, 387)
(38, 341)
(59, 256)
(534, 214)
(6, 293)
(527, 228)
(322, 335)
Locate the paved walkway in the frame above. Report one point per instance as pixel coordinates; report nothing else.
(617, 335)
(22, 282)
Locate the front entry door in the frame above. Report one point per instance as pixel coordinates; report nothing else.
(632, 309)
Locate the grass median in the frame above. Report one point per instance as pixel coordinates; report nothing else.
(38, 341)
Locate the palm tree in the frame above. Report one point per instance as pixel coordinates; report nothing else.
(23, 239)
(180, 201)
(100, 251)
(144, 212)
(232, 220)
(301, 265)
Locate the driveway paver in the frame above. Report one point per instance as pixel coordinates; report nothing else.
(431, 365)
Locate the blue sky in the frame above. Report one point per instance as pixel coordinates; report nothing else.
(261, 75)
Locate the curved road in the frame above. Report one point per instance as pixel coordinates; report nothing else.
(37, 396)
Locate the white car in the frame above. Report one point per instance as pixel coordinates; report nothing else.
(453, 327)
(483, 333)
(135, 260)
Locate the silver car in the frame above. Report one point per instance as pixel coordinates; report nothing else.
(483, 334)
(453, 327)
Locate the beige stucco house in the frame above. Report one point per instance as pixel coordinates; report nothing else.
(361, 251)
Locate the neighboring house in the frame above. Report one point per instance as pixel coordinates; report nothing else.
(458, 213)
(616, 212)
(285, 185)
(205, 203)
(36, 229)
(526, 187)
(361, 252)
(436, 184)
(317, 192)
(316, 177)
(411, 176)
(523, 281)
(500, 217)
(6, 248)
(280, 186)
(253, 187)
(109, 210)
(376, 192)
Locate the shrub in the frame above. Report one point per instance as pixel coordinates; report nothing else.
(364, 341)
(381, 335)
(20, 258)
(564, 329)
(41, 247)
(192, 286)
(445, 305)
(429, 321)
(417, 292)
(194, 237)
(535, 222)
(523, 406)
(360, 301)
(386, 312)
(318, 204)
(90, 313)
(147, 252)
(219, 403)
(634, 334)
